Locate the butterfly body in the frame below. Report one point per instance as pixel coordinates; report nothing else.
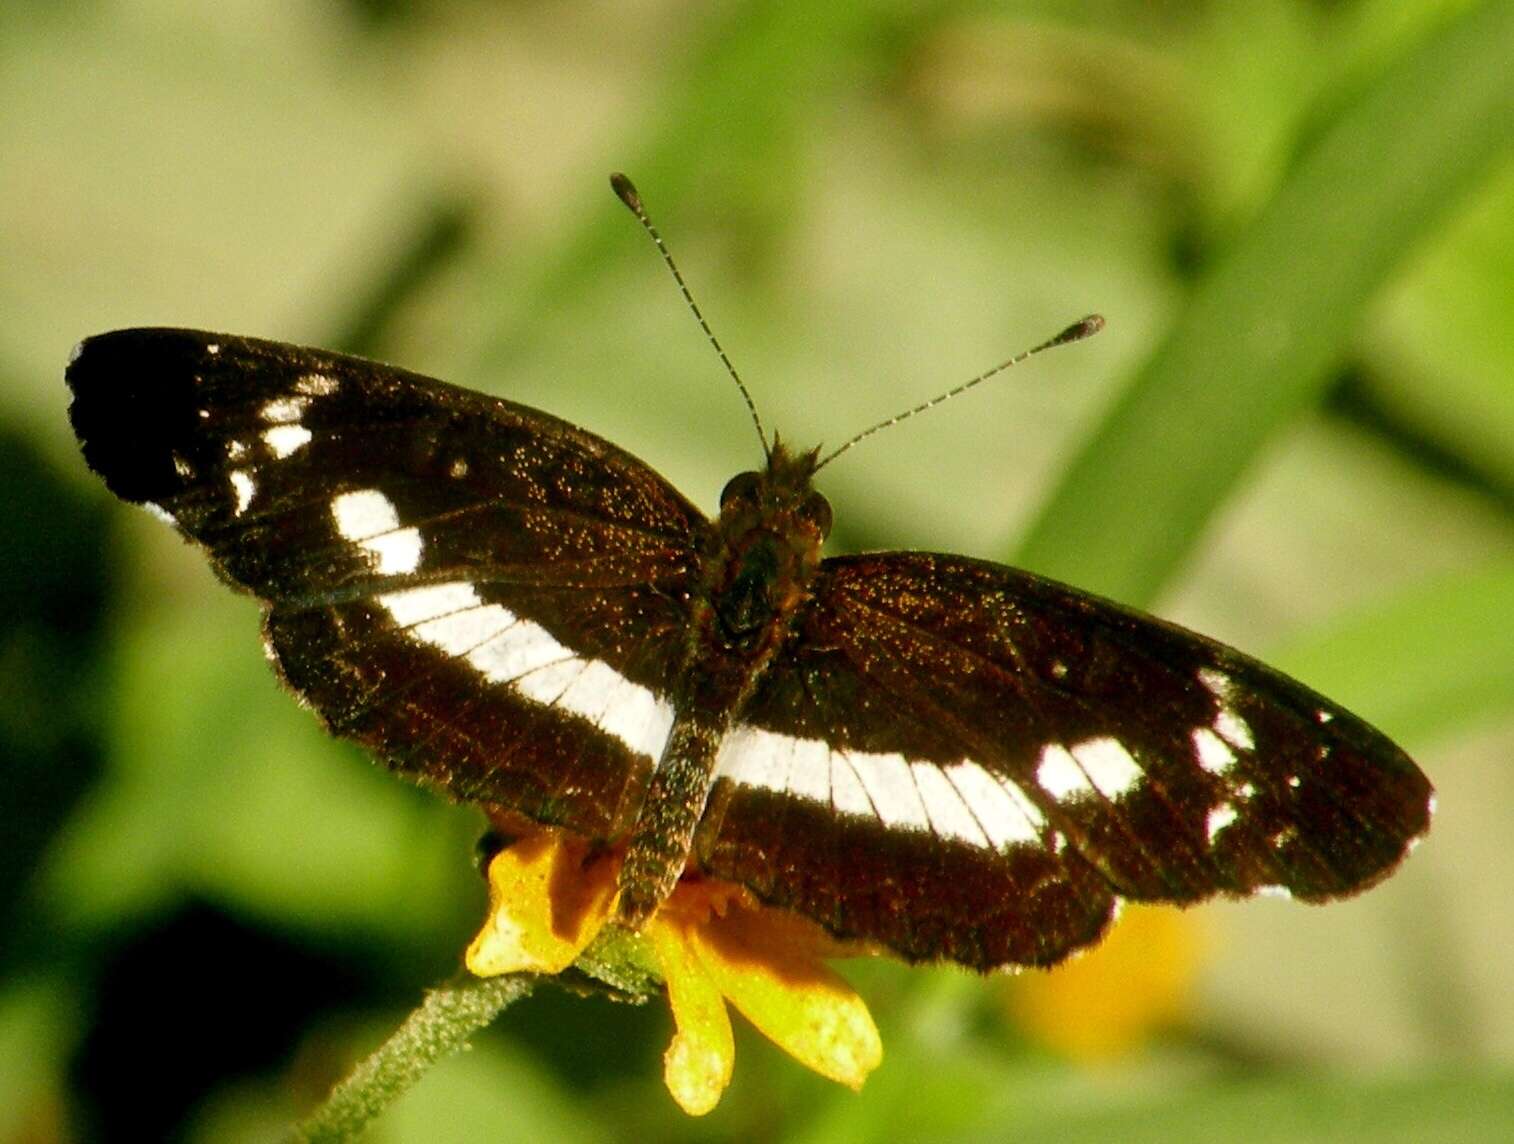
(945, 757)
(758, 562)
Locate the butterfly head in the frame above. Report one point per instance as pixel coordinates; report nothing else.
(780, 499)
(766, 547)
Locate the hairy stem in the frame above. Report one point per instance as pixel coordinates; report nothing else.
(445, 1020)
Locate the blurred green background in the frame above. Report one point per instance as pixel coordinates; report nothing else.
(1297, 434)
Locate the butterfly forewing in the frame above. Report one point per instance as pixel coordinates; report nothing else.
(480, 592)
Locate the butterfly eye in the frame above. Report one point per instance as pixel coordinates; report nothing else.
(743, 486)
(817, 510)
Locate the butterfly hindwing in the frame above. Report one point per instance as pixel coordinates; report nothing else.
(1014, 735)
(455, 581)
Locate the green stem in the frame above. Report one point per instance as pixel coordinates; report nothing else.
(446, 1019)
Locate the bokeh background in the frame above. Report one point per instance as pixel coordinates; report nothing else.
(1297, 434)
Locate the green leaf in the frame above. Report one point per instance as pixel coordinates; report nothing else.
(1450, 646)
(1449, 319)
(1257, 342)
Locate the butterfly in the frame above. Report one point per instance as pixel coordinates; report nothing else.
(944, 757)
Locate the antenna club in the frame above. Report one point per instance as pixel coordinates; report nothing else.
(626, 192)
(1076, 332)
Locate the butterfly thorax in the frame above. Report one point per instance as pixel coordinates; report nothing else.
(757, 567)
(763, 553)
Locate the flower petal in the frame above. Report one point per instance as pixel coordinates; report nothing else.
(698, 1064)
(763, 968)
(547, 901)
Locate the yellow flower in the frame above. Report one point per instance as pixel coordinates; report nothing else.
(1107, 1002)
(550, 895)
(548, 899)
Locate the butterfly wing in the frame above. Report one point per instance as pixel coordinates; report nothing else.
(479, 592)
(1018, 754)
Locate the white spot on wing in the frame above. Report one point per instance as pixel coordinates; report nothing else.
(317, 385)
(548, 683)
(754, 757)
(182, 467)
(244, 487)
(467, 632)
(1273, 892)
(157, 510)
(517, 650)
(235, 449)
(212, 348)
(416, 604)
(949, 815)
(1001, 810)
(363, 514)
(1234, 730)
(1218, 683)
(1109, 766)
(1227, 722)
(591, 690)
(847, 793)
(961, 801)
(1219, 818)
(648, 731)
(890, 785)
(810, 771)
(286, 439)
(283, 410)
(368, 518)
(524, 656)
(458, 469)
(1030, 810)
(1214, 754)
(782, 763)
(1059, 775)
(620, 708)
(398, 552)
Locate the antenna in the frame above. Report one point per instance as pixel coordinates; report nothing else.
(626, 191)
(1073, 333)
